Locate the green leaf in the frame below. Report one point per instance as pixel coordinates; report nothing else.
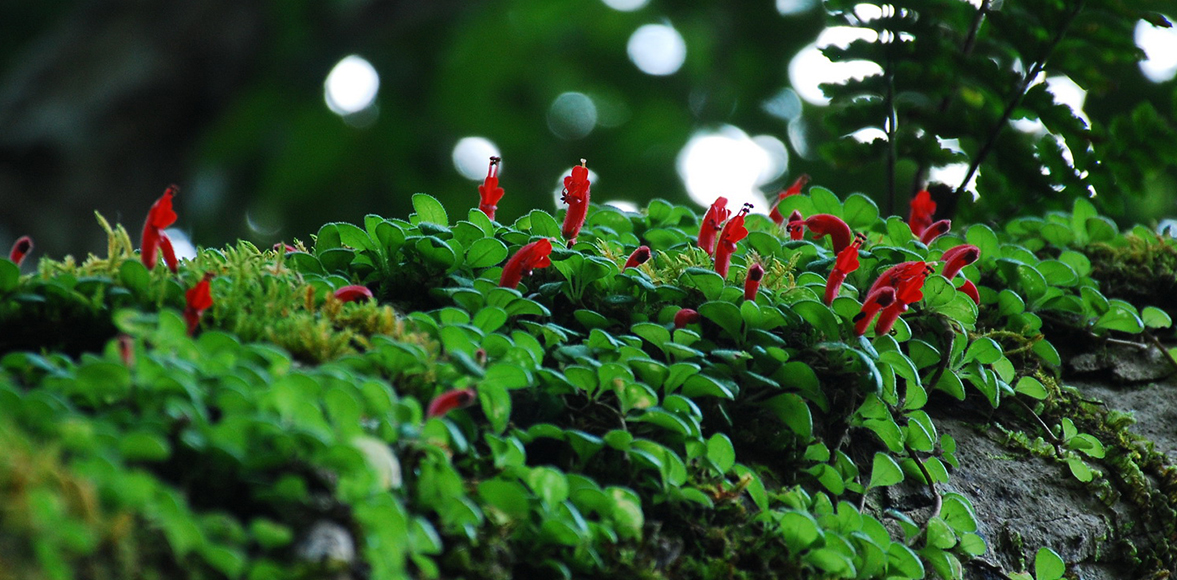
(721, 452)
(1121, 320)
(885, 471)
(898, 231)
(429, 210)
(706, 281)
(831, 561)
(860, 211)
(1048, 565)
(144, 446)
(903, 560)
(550, 484)
(508, 376)
(819, 316)
(543, 224)
(496, 404)
(726, 315)
(132, 273)
(1080, 470)
(984, 350)
(486, 252)
(794, 412)
(824, 201)
(509, 497)
(799, 530)
(10, 274)
(1154, 317)
(1031, 387)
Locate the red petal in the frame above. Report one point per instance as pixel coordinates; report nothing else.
(446, 402)
(353, 293)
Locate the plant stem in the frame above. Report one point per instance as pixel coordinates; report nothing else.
(1027, 82)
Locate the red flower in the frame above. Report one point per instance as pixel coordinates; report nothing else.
(910, 291)
(638, 257)
(127, 350)
(489, 191)
(922, 210)
(160, 216)
(796, 226)
(823, 224)
(752, 282)
(935, 230)
(684, 317)
(284, 247)
(846, 263)
(529, 257)
(576, 195)
(875, 301)
(353, 293)
(733, 232)
(446, 402)
(906, 281)
(199, 299)
(893, 275)
(958, 257)
(20, 249)
(712, 223)
(794, 189)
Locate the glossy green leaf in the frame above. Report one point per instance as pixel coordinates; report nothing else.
(486, 252)
(794, 412)
(884, 471)
(1154, 317)
(429, 210)
(1048, 565)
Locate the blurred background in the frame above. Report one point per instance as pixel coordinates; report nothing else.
(276, 117)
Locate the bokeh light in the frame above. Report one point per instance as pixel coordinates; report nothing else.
(181, 244)
(626, 5)
(1160, 44)
(810, 68)
(657, 49)
(727, 162)
(472, 156)
(572, 116)
(792, 7)
(351, 86)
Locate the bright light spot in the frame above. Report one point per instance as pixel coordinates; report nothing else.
(351, 86)
(731, 164)
(262, 223)
(785, 105)
(952, 174)
(1160, 45)
(1069, 93)
(626, 5)
(181, 244)
(799, 138)
(869, 135)
(592, 177)
(791, 7)
(572, 116)
(867, 12)
(810, 68)
(627, 206)
(472, 157)
(657, 49)
(1167, 227)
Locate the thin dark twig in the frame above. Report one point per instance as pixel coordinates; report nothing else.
(1013, 104)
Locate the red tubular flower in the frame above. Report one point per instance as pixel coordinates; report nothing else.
(160, 216)
(893, 275)
(823, 224)
(958, 257)
(752, 282)
(935, 230)
(712, 223)
(448, 401)
(638, 257)
(20, 249)
(353, 293)
(576, 195)
(733, 232)
(796, 227)
(971, 290)
(922, 210)
(909, 291)
(529, 257)
(875, 301)
(489, 191)
(684, 317)
(846, 263)
(284, 247)
(794, 189)
(127, 350)
(199, 299)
